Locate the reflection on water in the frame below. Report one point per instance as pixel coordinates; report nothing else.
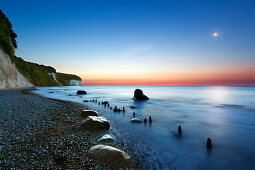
(225, 114)
(218, 94)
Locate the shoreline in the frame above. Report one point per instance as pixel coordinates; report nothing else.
(40, 132)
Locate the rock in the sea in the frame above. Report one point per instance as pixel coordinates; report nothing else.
(136, 120)
(106, 139)
(87, 113)
(81, 92)
(132, 107)
(110, 156)
(95, 123)
(85, 101)
(138, 95)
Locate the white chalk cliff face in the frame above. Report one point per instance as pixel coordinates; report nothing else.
(75, 83)
(9, 76)
(53, 75)
(71, 82)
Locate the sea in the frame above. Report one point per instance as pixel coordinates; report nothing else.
(225, 114)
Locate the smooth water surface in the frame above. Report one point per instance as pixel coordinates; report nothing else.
(225, 114)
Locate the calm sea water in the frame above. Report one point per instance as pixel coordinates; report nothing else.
(225, 114)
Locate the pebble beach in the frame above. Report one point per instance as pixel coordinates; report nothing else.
(37, 132)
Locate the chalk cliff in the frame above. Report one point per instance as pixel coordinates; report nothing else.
(75, 83)
(9, 76)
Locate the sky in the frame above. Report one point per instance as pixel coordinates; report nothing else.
(139, 42)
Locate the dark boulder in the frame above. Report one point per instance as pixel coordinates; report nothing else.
(138, 95)
(81, 92)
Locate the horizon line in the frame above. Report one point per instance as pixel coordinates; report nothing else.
(105, 84)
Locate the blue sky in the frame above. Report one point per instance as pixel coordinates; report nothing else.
(124, 37)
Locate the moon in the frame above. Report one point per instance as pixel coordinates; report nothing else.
(215, 34)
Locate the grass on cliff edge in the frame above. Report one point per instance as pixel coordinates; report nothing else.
(39, 75)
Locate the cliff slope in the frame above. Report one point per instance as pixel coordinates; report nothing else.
(9, 76)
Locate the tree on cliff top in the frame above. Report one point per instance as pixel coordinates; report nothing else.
(7, 35)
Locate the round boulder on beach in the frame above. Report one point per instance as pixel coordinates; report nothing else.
(138, 95)
(110, 156)
(81, 92)
(87, 113)
(95, 123)
(106, 139)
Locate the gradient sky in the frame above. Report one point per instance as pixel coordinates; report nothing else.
(139, 42)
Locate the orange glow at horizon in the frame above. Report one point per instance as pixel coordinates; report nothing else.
(217, 77)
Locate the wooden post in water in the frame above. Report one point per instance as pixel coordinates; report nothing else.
(179, 130)
(145, 120)
(209, 143)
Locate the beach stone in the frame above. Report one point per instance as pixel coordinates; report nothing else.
(81, 92)
(110, 156)
(106, 139)
(87, 113)
(95, 123)
(136, 120)
(138, 95)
